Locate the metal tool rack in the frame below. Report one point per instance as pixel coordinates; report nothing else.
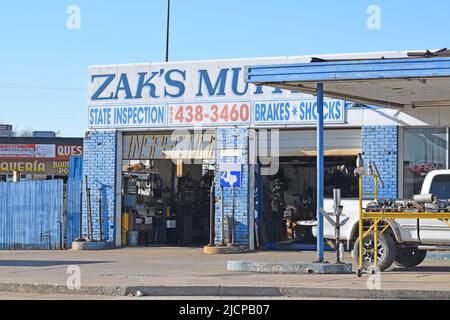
(376, 217)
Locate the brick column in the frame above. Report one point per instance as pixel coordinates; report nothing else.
(380, 145)
(233, 138)
(99, 164)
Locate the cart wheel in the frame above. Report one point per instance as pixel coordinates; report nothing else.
(359, 273)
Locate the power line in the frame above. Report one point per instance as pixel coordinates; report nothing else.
(46, 118)
(34, 87)
(168, 31)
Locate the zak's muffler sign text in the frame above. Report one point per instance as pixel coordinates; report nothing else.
(199, 93)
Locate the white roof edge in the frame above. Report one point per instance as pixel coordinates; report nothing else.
(334, 56)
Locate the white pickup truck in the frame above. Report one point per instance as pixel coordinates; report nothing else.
(406, 241)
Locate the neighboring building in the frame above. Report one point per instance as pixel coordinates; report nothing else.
(6, 130)
(37, 158)
(158, 132)
(44, 134)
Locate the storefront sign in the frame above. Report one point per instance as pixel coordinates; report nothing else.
(17, 150)
(64, 152)
(421, 169)
(180, 145)
(207, 114)
(230, 175)
(130, 116)
(297, 111)
(189, 94)
(35, 167)
(23, 151)
(39, 151)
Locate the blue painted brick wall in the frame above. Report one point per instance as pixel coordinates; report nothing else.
(235, 138)
(380, 145)
(99, 164)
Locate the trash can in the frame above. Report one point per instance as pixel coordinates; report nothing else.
(133, 238)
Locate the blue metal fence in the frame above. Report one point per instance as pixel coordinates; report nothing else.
(73, 210)
(31, 215)
(74, 198)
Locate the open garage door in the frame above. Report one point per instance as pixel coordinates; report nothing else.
(338, 142)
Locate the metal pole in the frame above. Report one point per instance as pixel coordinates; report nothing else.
(233, 197)
(211, 216)
(88, 210)
(81, 214)
(360, 225)
(320, 173)
(251, 218)
(168, 31)
(337, 212)
(338, 239)
(222, 219)
(100, 212)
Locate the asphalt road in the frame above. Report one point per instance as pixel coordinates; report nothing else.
(190, 267)
(35, 296)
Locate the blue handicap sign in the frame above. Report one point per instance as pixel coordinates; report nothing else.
(229, 179)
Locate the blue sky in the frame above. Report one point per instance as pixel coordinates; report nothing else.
(43, 78)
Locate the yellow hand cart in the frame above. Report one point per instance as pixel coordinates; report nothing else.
(379, 221)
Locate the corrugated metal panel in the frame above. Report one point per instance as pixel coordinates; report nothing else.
(76, 168)
(73, 210)
(74, 197)
(31, 215)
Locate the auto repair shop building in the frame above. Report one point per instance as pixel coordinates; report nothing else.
(159, 134)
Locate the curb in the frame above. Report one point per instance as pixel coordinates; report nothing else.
(62, 289)
(289, 267)
(438, 256)
(224, 250)
(230, 291)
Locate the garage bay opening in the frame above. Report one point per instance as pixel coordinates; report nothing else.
(287, 213)
(166, 188)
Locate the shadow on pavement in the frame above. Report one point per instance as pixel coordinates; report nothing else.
(430, 269)
(44, 263)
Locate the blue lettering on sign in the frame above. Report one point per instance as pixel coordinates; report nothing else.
(219, 86)
(178, 84)
(124, 85)
(272, 112)
(112, 86)
(146, 82)
(127, 116)
(297, 111)
(107, 79)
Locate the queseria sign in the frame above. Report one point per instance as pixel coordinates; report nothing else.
(50, 159)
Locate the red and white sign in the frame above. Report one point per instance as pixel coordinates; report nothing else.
(39, 151)
(423, 168)
(209, 114)
(11, 151)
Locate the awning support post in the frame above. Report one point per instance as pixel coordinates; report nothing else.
(320, 173)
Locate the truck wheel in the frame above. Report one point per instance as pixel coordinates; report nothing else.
(386, 251)
(410, 257)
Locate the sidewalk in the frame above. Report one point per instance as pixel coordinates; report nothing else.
(170, 270)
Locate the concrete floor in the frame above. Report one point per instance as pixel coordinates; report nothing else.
(191, 267)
